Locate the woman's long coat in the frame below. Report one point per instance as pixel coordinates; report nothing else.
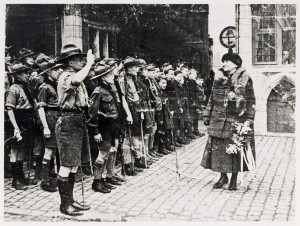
(222, 114)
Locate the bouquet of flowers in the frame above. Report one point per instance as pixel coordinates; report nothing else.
(240, 137)
(241, 144)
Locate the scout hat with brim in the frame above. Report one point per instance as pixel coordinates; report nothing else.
(130, 61)
(24, 52)
(17, 67)
(142, 63)
(151, 67)
(50, 66)
(103, 67)
(68, 51)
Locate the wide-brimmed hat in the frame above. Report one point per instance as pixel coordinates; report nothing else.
(142, 63)
(46, 64)
(68, 51)
(151, 67)
(103, 67)
(130, 61)
(24, 52)
(17, 67)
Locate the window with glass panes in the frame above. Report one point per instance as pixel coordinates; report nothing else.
(274, 34)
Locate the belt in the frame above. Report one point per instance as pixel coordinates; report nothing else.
(72, 110)
(112, 116)
(52, 109)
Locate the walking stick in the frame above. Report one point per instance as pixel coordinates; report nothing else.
(143, 143)
(242, 166)
(176, 155)
(120, 149)
(82, 187)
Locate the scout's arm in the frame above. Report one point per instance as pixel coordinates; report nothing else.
(126, 109)
(42, 99)
(81, 75)
(93, 113)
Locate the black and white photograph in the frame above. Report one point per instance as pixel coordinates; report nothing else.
(149, 112)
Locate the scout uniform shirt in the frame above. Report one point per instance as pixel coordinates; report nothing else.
(16, 98)
(71, 97)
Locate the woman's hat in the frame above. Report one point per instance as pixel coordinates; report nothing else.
(70, 50)
(234, 58)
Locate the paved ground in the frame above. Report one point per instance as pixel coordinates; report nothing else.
(157, 194)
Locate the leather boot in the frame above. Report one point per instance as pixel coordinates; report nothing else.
(38, 169)
(66, 198)
(182, 140)
(116, 177)
(222, 181)
(21, 175)
(47, 184)
(139, 163)
(233, 180)
(75, 204)
(16, 183)
(113, 181)
(99, 186)
(129, 170)
(108, 185)
(198, 133)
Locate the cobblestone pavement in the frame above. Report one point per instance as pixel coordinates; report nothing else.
(158, 194)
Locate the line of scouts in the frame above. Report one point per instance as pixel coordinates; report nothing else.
(89, 109)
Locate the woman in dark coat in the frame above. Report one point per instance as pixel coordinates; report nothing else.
(221, 113)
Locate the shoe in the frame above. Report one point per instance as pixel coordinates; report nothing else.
(46, 185)
(157, 154)
(198, 133)
(181, 140)
(108, 185)
(232, 184)
(37, 178)
(18, 185)
(138, 170)
(70, 210)
(222, 181)
(119, 178)
(140, 164)
(98, 186)
(129, 170)
(191, 136)
(113, 181)
(169, 148)
(177, 145)
(163, 152)
(79, 206)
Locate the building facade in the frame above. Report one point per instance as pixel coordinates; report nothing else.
(266, 41)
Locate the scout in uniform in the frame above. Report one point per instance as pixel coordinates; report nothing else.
(19, 106)
(187, 116)
(105, 114)
(196, 100)
(130, 91)
(71, 129)
(48, 110)
(164, 121)
(175, 104)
